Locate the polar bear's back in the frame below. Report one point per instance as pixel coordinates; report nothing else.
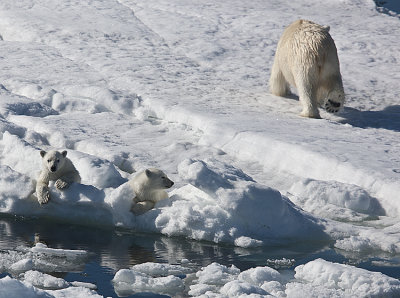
(307, 44)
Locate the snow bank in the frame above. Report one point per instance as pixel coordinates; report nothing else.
(318, 278)
(217, 202)
(335, 200)
(225, 205)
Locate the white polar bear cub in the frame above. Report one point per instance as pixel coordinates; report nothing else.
(149, 188)
(306, 58)
(56, 167)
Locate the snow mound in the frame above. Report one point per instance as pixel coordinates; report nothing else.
(13, 288)
(232, 208)
(96, 172)
(44, 281)
(140, 278)
(318, 197)
(369, 240)
(216, 280)
(350, 280)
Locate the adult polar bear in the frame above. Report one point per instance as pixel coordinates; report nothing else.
(306, 58)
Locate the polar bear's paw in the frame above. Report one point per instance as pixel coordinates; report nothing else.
(44, 197)
(332, 106)
(140, 208)
(61, 184)
(310, 113)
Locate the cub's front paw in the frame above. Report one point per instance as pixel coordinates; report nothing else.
(60, 184)
(44, 197)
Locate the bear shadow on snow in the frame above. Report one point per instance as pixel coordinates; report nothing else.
(388, 118)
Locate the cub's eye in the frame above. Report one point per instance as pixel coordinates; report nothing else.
(48, 160)
(164, 178)
(58, 160)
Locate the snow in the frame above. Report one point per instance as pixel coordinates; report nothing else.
(127, 85)
(318, 278)
(352, 281)
(28, 265)
(130, 281)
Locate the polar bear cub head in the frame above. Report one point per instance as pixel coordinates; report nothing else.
(158, 179)
(149, 187)
(150, 184)
(53, 160)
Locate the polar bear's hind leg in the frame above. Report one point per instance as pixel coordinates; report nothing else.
(307, 89)
(277, 82)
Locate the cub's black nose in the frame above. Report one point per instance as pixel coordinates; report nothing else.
(53, 169)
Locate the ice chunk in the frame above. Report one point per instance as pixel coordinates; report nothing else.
(259, 275)
(217, 274)
(42, 258)
(350, 280)
(316, 196)
(22, 266)
(12, 288)
(44, 281)
(158, 269)
(76, 292)
(280, 263)
(42, 248)
(127, 282)
(238, 288)
(247, 242)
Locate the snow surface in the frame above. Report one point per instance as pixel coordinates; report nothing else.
(181, 85)
(318, 278)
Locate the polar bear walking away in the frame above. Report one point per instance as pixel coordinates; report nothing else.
(306, 58)
(56, 167)
(149, 187)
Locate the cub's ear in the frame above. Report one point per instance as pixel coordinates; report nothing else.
(148, 173)
(42, 153)
(64, 153)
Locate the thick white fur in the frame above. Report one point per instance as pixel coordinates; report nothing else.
(56, 167)
(306, 58)
(149, 187)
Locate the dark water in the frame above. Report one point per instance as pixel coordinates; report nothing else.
(111, 250)
(387, 6)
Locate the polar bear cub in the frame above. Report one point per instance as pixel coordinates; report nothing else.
(306, 58)
(149, 187)
(56, 167)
